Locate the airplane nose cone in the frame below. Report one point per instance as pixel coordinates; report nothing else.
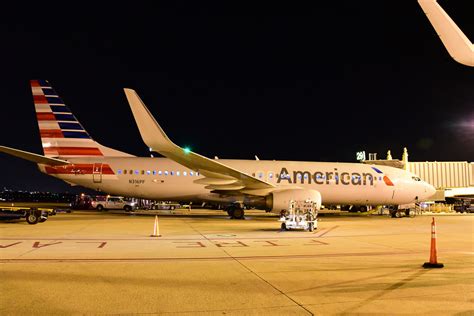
(430, 190)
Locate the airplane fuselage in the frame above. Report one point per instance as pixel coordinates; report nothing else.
(164, 179)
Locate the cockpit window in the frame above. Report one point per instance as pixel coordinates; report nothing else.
(416, 178)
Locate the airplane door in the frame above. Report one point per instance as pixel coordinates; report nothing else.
(97, 173)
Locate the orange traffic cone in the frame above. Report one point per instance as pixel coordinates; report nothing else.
(156, 228)
(433, 254)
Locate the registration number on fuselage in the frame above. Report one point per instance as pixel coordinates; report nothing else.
(136, 181)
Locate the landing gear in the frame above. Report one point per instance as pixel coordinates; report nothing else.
(235, 211)
(239, 213)
(33, 217)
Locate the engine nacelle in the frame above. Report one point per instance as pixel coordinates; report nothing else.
(280, 200)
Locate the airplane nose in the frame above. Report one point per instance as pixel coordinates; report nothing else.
(430, 190)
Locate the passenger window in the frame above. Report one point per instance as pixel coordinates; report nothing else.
(143, 171)
(184, 173)
(166, 173)
(154, 172)
(197, 174)
(191, 173)
(119, 171)
(171, 172)
(125, 171)
(159, 172)
(137, 172)
(177, 173)
(148, 172)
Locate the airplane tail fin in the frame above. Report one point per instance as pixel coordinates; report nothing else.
(61, 133)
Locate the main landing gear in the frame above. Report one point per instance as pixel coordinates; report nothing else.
(235, 211)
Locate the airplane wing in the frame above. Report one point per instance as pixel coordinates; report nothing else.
(458, 45)
(33, 157)
(218, 177)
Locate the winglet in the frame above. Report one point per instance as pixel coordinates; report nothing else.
(458, 45)
(150, 130)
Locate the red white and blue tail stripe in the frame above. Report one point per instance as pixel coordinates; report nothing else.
(61, 133)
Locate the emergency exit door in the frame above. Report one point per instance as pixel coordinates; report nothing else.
(97, 173)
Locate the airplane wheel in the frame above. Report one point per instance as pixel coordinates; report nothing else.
(363, 208)
(239, 213)
(283, 226)
(230, 211)
(100, 208)
(127, 208)
(32, 217)
(311, 227)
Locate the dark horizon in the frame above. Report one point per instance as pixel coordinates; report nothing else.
(312, 83)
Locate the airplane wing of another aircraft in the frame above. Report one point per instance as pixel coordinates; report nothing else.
(218, 177)
(33, 157)
(458, 45)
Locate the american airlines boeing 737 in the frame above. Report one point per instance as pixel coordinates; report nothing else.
(70, 154)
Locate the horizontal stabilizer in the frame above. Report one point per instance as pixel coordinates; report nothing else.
(33, 157)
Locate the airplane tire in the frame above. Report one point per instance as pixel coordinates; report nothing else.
(363, 208)
(100, 207)
(239, 213)
(127, 208)
(32, 217)
(283, 226)
(230, 210)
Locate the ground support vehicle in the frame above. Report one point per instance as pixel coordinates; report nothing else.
(165, 206)
(33, 215)
(300, 215)
(101, 203)
(464, 205)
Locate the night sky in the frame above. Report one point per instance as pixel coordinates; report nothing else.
(283, 82)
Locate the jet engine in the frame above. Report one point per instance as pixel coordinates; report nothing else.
(280, 200)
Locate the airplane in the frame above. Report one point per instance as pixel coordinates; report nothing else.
(70, 154)
(458, 45)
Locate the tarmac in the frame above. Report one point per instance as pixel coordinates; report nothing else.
(206, 264)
